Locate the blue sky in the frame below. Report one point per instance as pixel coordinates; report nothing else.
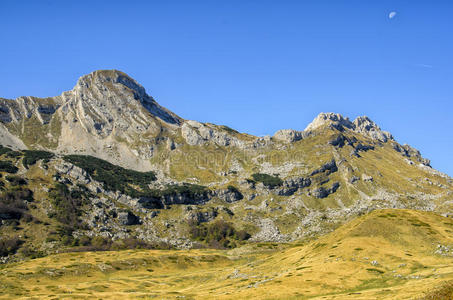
(257, 66)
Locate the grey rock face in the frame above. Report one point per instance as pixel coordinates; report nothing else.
(105, 90)
(108, 113)
(329, 118)
(290, 135)
(196, 133)
(368, 128)
(229, 195)
(157, 202)
(26, 107)
(268, 232)
(411, 152)
(292, 185)
(323, 192)
(202, 216)
(329, 168)
(74, 172)
(362, 125)
(339, 141)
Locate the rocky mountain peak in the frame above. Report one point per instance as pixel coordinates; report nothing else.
(362, 125)
(329, 118)
(366, 126)
(108, 80)
(107, 92)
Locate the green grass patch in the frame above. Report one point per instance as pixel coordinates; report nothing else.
(375, 270)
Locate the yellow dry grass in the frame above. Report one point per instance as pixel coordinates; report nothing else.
(387, 254)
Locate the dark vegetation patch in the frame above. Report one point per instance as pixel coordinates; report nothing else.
(418, 223)
(8, 167)
(9, 152)
(134, 183)
(113, 177)
(191, 194)
(375, 270)
(233, 189)
(32, 156)
(268, 180)
(187, 189)
(67, 206)
(4, 150)
(14, 154)
(98, 243)
(218, 234)
(319, 245)
(16, 180)
(13, 203)
(9, 245)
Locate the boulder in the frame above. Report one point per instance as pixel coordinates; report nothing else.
(128, 218)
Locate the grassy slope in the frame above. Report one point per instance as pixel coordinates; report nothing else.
(338, 265)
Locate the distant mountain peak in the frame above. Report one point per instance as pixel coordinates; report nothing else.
(107, 88)
(329, 118)
(363, 125)
(109, 78)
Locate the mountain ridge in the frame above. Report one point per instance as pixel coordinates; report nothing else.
(149, 168)
(108, 109)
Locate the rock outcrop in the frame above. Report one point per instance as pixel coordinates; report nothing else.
(362, 125)
(328, 168)
(322, 192)
(368, 128)
(290, 135)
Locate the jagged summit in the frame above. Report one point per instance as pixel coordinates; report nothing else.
(366, 126)
(108, 86)
(362, 125)
(108, 79)
(329, 118)
(108, 114)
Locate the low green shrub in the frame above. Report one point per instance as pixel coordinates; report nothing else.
(99, 243)
(16, 180)
(267, 180)
(113, 177)
(8, 167)
(13, 203)
(218, 234)
(28, 251)
(14, 154)
(187, 189)
(9, 245)
(4, 150)
(67, 207)
(32, 156)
